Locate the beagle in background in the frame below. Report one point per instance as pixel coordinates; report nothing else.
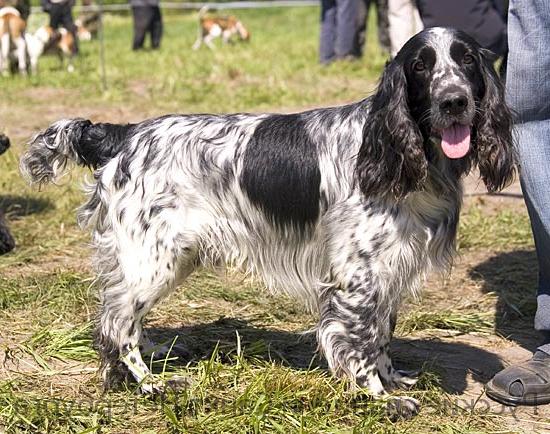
(215, 27)
(12, 35)
(48, 40)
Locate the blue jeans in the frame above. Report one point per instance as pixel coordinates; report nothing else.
(528, 93)
(340, 22)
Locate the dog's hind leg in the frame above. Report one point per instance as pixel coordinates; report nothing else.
(4, 53)
(21, 48)
(137, 268)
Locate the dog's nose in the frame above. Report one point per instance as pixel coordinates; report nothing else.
(454, 104)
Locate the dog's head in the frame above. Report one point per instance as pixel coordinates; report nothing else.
(244, 34)
(44, 34)
(440, 104)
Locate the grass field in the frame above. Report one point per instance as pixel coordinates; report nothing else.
(252, 369)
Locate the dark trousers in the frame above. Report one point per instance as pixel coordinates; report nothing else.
(147, 19)
(61, 16)
(344, 24)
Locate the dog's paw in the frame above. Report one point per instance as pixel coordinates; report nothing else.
(404, 379)
(178, 383)
(154, 386)
(402, 408)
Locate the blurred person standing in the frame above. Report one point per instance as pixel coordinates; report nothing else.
(381, 23)
(147, 19)
(61, 15)
(341, 21)
(404, 22)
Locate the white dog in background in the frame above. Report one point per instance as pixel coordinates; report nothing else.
(46, 40)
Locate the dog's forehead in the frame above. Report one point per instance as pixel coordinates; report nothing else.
(441, 40)
(446, 69)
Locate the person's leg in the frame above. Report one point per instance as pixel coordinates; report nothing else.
(404, 22)
(56, 11)
(141, 21)
(361, 28)
(528, 93)
(328, 31)
(156, 27)
(346, 27)
(383, 25)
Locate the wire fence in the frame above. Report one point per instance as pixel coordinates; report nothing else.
(195, 6)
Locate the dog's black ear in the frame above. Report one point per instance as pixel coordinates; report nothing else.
(391, 159)
(495, 152)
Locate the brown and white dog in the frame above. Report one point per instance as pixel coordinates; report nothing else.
(48, 40)
(215, 27)
(12, 35)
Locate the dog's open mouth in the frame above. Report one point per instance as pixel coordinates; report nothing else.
(455, 141)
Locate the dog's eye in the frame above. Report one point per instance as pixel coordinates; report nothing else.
(419, 66)
(468, 59)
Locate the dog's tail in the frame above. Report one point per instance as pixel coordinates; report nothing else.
(77, 140)
(203, 11)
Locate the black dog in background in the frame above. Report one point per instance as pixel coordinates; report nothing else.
(7, 243)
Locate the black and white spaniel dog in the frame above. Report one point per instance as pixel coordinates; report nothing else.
(346, 208)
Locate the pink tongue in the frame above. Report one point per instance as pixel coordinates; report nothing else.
(455, 141)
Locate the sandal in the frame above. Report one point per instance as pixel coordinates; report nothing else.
(527, 383)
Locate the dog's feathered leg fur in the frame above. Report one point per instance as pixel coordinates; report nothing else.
(353, 344)
(132, 286)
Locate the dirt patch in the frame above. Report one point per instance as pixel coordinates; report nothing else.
(475, 194)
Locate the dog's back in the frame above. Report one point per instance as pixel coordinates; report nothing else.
(11, 22)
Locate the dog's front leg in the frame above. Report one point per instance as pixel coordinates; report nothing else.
(351, 334)
(391, 377)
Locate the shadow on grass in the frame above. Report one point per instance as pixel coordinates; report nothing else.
(20, 206)
(451, 362)
(512, 276)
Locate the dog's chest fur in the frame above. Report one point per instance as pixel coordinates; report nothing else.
(393, 244)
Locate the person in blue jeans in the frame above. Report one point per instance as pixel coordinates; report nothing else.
(340, 24)
(528, 94)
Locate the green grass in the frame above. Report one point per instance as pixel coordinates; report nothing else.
(230, 395)
(278, 68)
(252, 370)
(508, 228)
(463, 322)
